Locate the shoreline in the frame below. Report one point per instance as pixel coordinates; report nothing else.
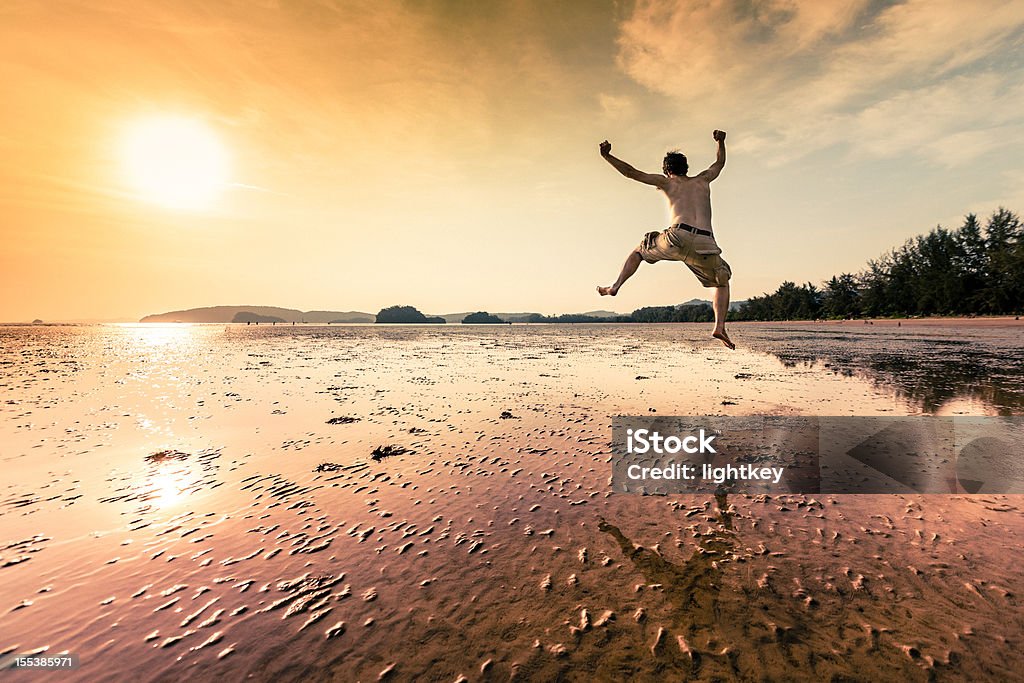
(960, 321)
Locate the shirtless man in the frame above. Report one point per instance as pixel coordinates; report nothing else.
(689, 238)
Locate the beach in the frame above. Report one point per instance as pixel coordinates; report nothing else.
(364, 502)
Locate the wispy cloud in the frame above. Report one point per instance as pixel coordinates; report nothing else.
(616, 106)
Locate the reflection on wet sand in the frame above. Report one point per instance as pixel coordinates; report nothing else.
(940, 370)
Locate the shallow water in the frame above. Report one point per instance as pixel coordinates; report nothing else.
(937, 369)
(176, 503)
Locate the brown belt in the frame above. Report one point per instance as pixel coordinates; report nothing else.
(690, 228)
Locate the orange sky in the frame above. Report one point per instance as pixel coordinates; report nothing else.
(444, 154)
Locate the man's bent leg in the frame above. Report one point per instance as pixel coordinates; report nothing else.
(721, 306)
(628, 268)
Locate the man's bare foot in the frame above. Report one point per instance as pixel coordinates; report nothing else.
(724, 339)
(608, 291)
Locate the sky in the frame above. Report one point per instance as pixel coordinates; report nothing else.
(444, 154)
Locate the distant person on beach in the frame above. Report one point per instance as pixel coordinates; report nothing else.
(689, 238)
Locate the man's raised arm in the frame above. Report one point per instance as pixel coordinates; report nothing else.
(714, 169)
(625, 169)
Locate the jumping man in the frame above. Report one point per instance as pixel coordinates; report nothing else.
(689, 238)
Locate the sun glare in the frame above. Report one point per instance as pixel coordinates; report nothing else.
(177, 162)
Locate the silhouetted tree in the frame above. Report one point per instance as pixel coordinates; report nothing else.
(841, 297)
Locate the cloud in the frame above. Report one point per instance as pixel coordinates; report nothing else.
(954, 121)
(935, 78)
(696, 50)
(617, 106)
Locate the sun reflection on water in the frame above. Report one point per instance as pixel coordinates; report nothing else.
(167, 485)
(157, 335)
(170, 477)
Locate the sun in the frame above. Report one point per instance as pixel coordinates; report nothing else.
(175, 161)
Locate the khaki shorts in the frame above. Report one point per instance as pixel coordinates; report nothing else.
(700, 253)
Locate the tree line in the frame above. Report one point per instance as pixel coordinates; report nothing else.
(690, 313)
(973, 269)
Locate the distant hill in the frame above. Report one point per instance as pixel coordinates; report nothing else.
(226, 314)
(733, 305)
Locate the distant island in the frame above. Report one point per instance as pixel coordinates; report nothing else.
(482, 318)
(227, 314)
(407, 314)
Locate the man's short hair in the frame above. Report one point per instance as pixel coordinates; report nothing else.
(675, 163)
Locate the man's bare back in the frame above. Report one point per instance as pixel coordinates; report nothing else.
(689, 200)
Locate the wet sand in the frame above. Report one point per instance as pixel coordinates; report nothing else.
(205, 501)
